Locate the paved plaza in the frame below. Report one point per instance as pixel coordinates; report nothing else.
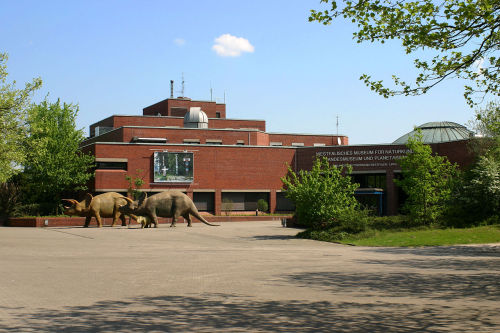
(238, 277)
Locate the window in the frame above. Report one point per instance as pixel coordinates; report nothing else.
(213, 141)
(245, 201)
(100, 130)
(217, 114)
(276, 143)
(111, 165)
(240, 142)
(373, 180)
(136, 139)
(298, 144)
(204, 201)
(192, 141)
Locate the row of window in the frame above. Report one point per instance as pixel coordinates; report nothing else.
(176, 111)
(295, 144)
(211, 142)
(136, 139)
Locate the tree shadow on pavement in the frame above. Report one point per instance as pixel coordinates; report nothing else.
(271, 237)
(477, 264)
(231, 313)
(476, 287)
(455, 251)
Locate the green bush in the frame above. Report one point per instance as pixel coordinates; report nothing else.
(391, 222)
(321, 196)
(262, 205)
(354, 221)
(358, 225)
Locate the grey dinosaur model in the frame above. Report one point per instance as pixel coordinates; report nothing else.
(102, 205)
(165, 204)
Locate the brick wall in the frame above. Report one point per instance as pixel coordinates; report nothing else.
(117, 121)
(215, 168)
(237, 123)
(237, 167)
(306, 139)
(164, 107)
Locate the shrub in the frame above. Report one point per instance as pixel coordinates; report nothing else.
(262, 205)
(321, 196)
(391, 222)
(354, 221)
(227, 206)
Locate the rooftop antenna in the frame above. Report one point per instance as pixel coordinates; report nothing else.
(337, 125)
(339, 141)
(182, 91)
(211, 92)
(171, 88)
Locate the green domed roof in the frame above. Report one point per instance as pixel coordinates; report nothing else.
(439, 131)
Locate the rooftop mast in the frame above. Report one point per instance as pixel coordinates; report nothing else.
(182, 91)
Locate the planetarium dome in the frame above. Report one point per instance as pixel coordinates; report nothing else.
(195, 118)
(439, 131)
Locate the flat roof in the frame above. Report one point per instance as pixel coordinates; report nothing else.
(152, 116)
(185, 145)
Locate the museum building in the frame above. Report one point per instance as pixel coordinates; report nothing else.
(191, 146)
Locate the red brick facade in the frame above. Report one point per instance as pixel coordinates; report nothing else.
(118, 121)
(179, 106)
(232, 157)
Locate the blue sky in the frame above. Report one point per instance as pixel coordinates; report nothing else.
(117, 57)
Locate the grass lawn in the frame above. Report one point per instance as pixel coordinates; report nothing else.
(432, 237)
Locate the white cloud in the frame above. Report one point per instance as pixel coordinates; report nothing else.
(479, 65)
(179, 41)
(231, 46)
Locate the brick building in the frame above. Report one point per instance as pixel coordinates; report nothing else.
(192, 146)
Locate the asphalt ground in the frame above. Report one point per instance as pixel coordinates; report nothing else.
(238, 277)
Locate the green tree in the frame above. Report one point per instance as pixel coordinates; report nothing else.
(321, 196)
(13, 103)
(54, 162)
(480, 193)
(477, 197)
(460, 37)
(135, 183)
(427, 180)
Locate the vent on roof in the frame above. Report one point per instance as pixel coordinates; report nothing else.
(137, 139)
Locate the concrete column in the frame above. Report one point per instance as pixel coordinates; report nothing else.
(391, 194)
(218, 202)
(272, 201)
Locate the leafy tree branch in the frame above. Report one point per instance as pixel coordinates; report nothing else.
(463, 35)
